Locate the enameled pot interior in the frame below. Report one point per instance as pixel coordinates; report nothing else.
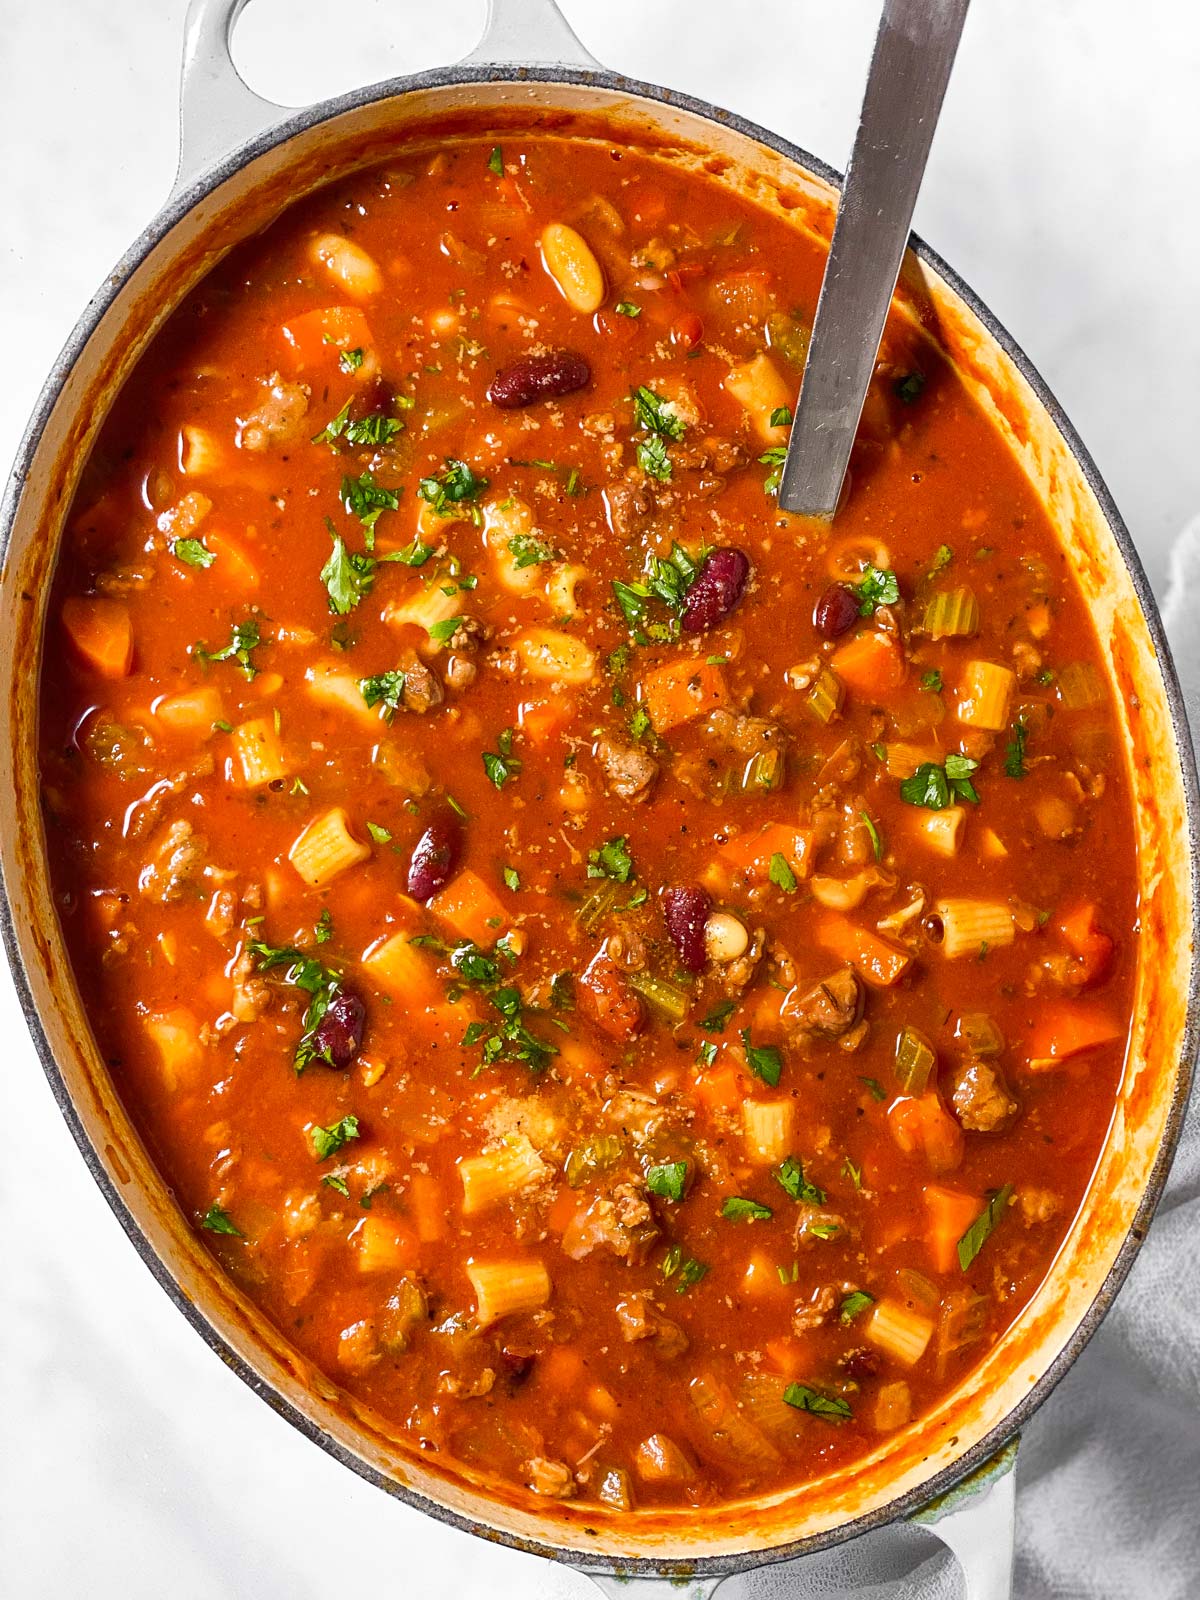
(924, 1459)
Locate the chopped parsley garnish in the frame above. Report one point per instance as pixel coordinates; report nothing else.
(877, 587)
(327, 1142)
(501, 765)
(781, 417)
(469, 961)
(854, 1305)
(385, 689)
(244, 638)
(853, 1172)
(334, 1180)
(932, 681)
(780, 874)
(875, 1088)
(350, 360)
(686, 1270)
(496, 161)
(942, 557)
(717, 1018)
(668, 1180)
(707, 1053)
(348, 577)
(193, 553)
(452, 489)
(442, 632)
(376, 429)
(626, 308)
(323, 931)
(910, 386)
(611, 860)
(509, 1039)
(319, 982)
(738, 1209)
(512, 879)
(562, 991)
(667, 580)
(653, 459)
(367, 500)
(936, 787)
(218, 1221)
(764, 1060)
(379, 833)
(1014, 754)
(830, 1406)
(773, 458)
(875, 835)
(639, 722)
(416, 555)
(978, 1234)
(656, 415)
(527, 551)
(789, 1175)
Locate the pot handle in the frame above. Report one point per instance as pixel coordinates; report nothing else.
(977, 1522)
(218, 110)
(617, 1587)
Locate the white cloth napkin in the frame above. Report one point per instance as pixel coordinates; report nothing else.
(1108, 1476)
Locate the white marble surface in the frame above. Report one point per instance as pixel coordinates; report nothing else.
(134, 1465)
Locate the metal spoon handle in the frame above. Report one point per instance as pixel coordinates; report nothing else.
(910, 67)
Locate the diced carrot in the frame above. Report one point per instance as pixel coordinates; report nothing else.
(1089, 944)
(102, 633)
(951, 1213)
(923, 1125)
(234, 566)
(540, 720)
(751, 852)
(428, 1206)
(604, 996)
(318, 336)
(564, 1208)
(876, 960)
(470, 908)
(682, 689)
(720, 1088)
(784, 1355)
(871, 664)
(1068, 1028)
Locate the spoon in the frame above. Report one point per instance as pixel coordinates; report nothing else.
(910, 68)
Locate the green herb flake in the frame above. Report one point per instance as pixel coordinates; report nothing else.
(931, 682)
(496, 161)
(763, 1060)
(780, 874)
(773, 458)
(910, 387)
(512, 879)
(348, 577)
(668, 1180)
(653, 459)
(350, 360)
(854, 1305)
(977, 1235)
(1014, 754)
(626, 308)
(193, 553)
(611, 860)
(385, 689)
(875, 1088)
(456, 486)
(781, 417)
(877, 587)
(218, 1221)
(244, 638)
(367, 500)
(719, 1016)
(829, 1406)
(853, 1172)
(501, 765)
(334, 1180)
(875, 836)
(706, 1055)
(935, 787)
(737, 1208)
(656, 415)
(379, 833)
(323, 931)
(789, 1175)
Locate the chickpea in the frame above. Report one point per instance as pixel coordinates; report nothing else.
(725, 938)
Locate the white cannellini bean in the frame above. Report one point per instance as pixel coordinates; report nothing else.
(725, 938)
(349, 263)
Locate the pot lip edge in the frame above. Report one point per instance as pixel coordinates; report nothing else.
(178, 205)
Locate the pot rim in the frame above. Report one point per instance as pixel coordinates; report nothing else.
(180, 202)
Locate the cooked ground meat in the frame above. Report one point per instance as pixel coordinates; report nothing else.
(279, 418)
(631, 505)
(621, 1222)
(629, 773)
(550, 1478)
(174, 864)
(812, 1313)
(422, 686)
(981, 1100)
(1038, 1205)
(640, 1319)
(827, 1010)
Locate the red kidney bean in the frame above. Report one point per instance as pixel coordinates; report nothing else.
(338, 1037)
(717, 589)
(685, 911)
(435, 856)
(531, 378)
(835, 611)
